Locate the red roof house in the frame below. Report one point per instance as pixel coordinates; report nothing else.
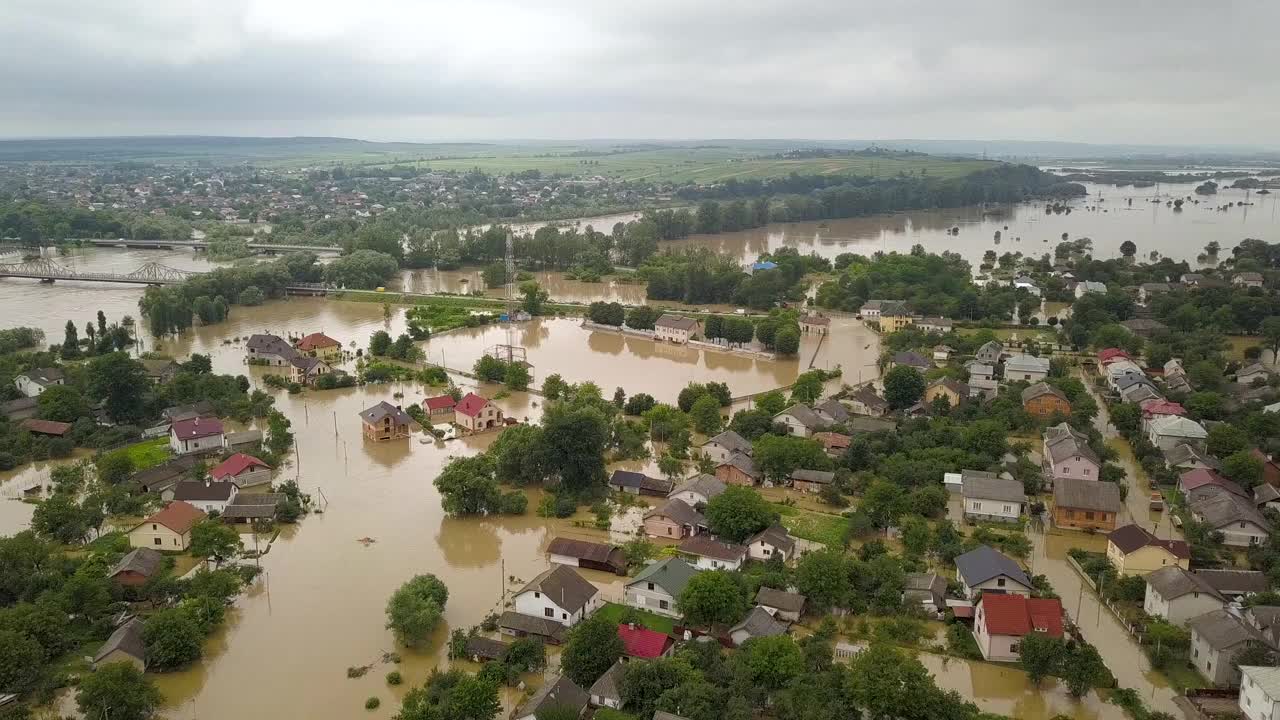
(237, 465)
(1110, 355)
(477, 414)
(641, 642)
(1192, 480)
(471, 405)
(196, 428)
(1002, 620)
(439, 404)
(1153, 407)
(46, 427)
(317, 341)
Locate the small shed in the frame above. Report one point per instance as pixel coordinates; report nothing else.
(589, 555)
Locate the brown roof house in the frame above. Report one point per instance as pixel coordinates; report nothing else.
(169, 529)
(558, 692)
(675, 328)
(589, 555)
(560, 594)
(711, 554)
(783, 605)
(739, 469)
(675, 520)
(811, 480)
(1043, 400)
(1085, 504)
(136, 567)
(953, 390)
(125, 645)
(385, 421)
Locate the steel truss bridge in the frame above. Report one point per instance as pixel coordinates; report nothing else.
(46, 270)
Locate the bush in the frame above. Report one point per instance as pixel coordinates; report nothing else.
(372, 703)
(394, 678)
(513, 503)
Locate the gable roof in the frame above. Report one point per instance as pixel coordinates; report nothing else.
(317, 340)
(201, 490)
(804, 414)
(1027, 363)
(833, 409)
(679, 511)
(820, 477)
(630, 479)
(1266, 678)
(1183, 455)
(563, 586)
(558, 692)
(471, 405)
(1108, 355)
(780, 599)
(236, 464)
(178, 516)
(775, 535)
(991, 487)
(532, 625)
(609, 685)
(200, 408)
(487, 648)
(143, 561)
(1161, 407)
(586, 550)
(1222, 509)
(676, 322)
(706, 546)
(955, 386)
(911, 359)
(1172, 582)
(984, 562)
(1234, 582)
(1063, 441)
(641, 642)
(44, 376)
(1201, 477)
(45, 427)
(382, 410)
(759, 623)
(196, 428)
(708, 486)
(1018, 615)
(127, 639)
(439, 402)
(1086, 494)
(1175, 426)
(868, 397)
(1223, 630)
(1042, 388)
(743, 462)
(1134, 537)
(270, 344)
(671, 574)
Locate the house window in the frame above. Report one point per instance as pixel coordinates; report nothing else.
(153, 527)
(767, 551)
(977, 505)
(548, 612)
(157, 541)
(1088, 515)
(1000, 582)
(537, 594)
(664, 605)
(1015, 647)
(650, 586)
(564, 616)
(1008, 508)
(1086, 471)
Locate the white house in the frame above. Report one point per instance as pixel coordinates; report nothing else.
(657, 587)
(773, 541)
(800, 420)
(698, 490)
(1121, 369)
(1067, 454)
(195, 435)
(990, 497)
(206, 495)
(1000, 622)
(709, 553)
(1248, 374)
(989, 353)
(1177, 595)
(1026, 367)
(1217, 637)
(560, 594)
(34, 382)
(271, 350)
(986, 570)
(675, 328)
(722, 447)
(1167, 433)
(1260, 692)
(1023, 282)
(1235, 517)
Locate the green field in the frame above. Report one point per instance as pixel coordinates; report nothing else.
(614, 612)
(676, 162)
(149, 453)
(814, 526)
(704, 165)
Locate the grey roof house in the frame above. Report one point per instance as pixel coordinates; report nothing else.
(985, 569)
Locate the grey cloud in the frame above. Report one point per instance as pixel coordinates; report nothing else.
(397, 69)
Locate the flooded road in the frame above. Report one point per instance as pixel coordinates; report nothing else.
(1005, 690)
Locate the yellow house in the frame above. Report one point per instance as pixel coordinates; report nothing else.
(894, 316)
(169, 529)
(1135, 551)
(953, 390)
(319, 345)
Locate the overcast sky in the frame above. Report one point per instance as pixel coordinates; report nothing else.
(1113, 71)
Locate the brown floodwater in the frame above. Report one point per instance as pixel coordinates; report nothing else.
(1005, 690)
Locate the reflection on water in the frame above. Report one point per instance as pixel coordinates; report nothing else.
(1005, 690)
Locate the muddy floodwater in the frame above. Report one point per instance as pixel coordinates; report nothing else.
(319, 606)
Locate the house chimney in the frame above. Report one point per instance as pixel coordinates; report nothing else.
(631, 625)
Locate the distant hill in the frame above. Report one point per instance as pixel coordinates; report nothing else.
(197, 148)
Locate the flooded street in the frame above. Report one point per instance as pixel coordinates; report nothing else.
(1005, 690)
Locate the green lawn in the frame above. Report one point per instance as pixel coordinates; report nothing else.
(817, 527)
(1184, 677)
(148, 453)
(614, 612)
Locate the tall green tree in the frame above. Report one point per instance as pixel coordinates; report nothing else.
(414, 609)
(903, 387)
(738, 513)
(593, 647)
(713, 597)
(118, 691)
(121, 382)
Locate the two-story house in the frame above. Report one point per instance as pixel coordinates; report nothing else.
(385, 421)
(477, 414)
(1043, 400)
(675, 328)
(1026, 367)
(1133, 550)
(1259, 691)
(988, 496)
(698, 490)
(657, 587)
(986, 570)
(1000, 622)
(800, 420)
(33, 383)
(1177, 595)
(195, 436)
(721, 447)
(1067, 454)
